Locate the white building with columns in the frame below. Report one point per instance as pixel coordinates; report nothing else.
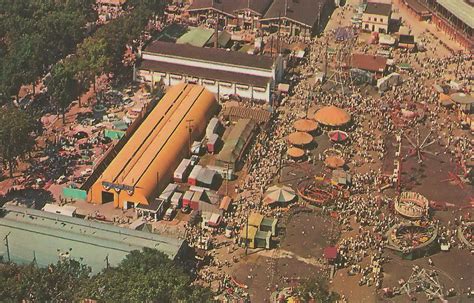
(222, 72)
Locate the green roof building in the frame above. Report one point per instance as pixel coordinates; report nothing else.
(198, 37)
(37, 236)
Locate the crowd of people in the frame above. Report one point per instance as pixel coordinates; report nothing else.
(374, 118)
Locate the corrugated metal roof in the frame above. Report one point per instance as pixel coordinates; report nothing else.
(460, 9)
(196, 37)
(235, 142)
(213, 55)
(34, 233)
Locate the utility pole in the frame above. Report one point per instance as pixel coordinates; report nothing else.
(326, 60)
(280, 167)
(247, 234)
(8, 246)
(216, 41)
(227, 179)
(190, 131)
(278, 35)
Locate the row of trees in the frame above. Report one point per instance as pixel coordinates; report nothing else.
(143, 276)
(34, 34)
(103, 52)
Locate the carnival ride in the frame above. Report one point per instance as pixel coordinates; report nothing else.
(418, 147)
(407, 237)
(412, 205)
(466, 234)
(318, 191)
(423, 280)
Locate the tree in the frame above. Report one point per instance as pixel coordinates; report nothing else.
(62, 30)
(143, 276)
(93, 58)
(55, 283)
(16, 139)
(147, 276)
(62, 87)
(316, 288)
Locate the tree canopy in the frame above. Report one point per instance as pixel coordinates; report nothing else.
(35, 34)
(62, 86)
(143, 276)
(316, 288)
(16, 139)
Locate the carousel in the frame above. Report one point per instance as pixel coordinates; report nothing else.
(334, 162)
(306, 125)
(295, 153)
(412, 240)
(332, 116)
(412, 205)
(279, 195)
(300, 138)
(338, 136)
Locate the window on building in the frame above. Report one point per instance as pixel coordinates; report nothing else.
(370, 19)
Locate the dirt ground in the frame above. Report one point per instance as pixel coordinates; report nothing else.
(299, 256)
(307, 234)
(263, 275)
(454, 270)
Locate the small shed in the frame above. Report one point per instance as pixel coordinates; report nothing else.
(193, 176)
(330, 254)
(206, 177)
(182, 171)
(195, 200)
(188, 195)
(168, 192)
(153, 210)
(212, 143)
(66, 210)
(213, 127)
(270, 225)
(225, 203)
(177, 200)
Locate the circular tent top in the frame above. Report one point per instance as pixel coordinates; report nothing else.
(332, 116)
(305, 125)
(279, 194)
(462, 98)
(300, 138)
(337, 136)
(334, 162)
(295, 152)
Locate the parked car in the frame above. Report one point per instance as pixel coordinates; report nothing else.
(61, 179)
(80, 135)
(169, 214)
(194, 160)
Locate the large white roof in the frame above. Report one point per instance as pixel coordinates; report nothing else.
(460, 9)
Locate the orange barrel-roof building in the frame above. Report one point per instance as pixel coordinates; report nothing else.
(145, 165)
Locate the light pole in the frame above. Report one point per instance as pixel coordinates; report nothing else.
(190, 130)
(8, 246)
